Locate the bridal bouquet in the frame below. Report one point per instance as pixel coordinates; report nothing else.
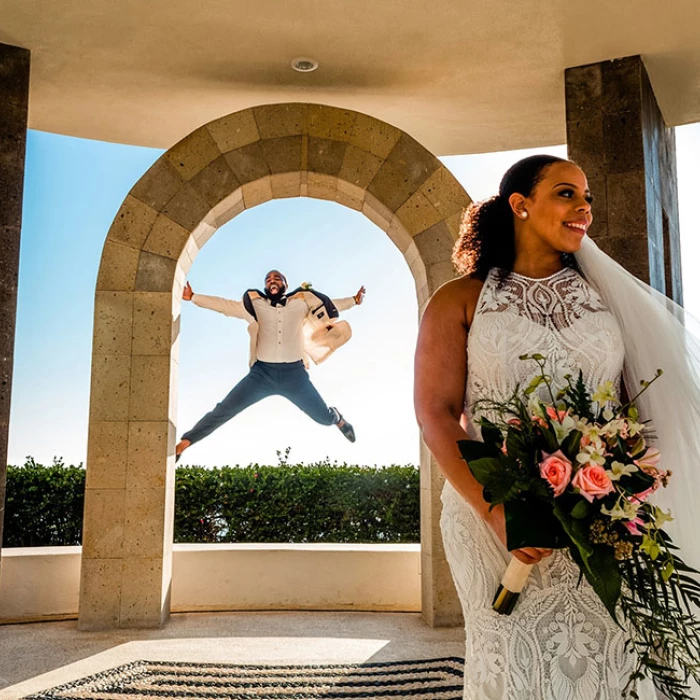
(575, 471)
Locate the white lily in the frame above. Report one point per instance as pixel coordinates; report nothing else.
(615, 427)
(619, 469)
(661, 516)
(590, 431)
(622, 510)
(605, 393)
(634, 427)
(623, 427)
(535, 407)
(591, 453)
(563, 428)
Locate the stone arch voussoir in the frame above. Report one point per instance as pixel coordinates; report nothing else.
(209, 177)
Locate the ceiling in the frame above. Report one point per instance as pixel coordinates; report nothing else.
(461, 76)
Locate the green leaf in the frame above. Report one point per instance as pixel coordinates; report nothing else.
(580, 399)
(605, 577)
(667, 570)
(550, 440)
(497, 474)
(576, 530)
(572, 444)
(528, 524)
(517, 446)
(650, 547)
(581, 510)
(597, 562)
(485, 469)
(472, 450)
(531, 388)
(501, 487)
(491, 433)
(602, 571)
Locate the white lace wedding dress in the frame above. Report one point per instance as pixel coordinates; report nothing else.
(559, 643)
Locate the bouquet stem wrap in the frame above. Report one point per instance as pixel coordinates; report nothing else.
(512, 583)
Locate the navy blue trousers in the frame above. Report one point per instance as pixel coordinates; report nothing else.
(288, 379)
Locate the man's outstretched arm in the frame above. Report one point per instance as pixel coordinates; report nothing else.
(348, 302)
(228, 307)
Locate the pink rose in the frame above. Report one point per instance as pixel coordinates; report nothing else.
(593, 482)
(555, 469)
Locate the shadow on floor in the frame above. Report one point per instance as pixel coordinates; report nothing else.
(38, 656)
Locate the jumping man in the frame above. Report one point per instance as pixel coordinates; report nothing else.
(286, 330)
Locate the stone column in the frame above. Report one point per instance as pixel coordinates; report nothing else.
(616, 133)
(14, 88)
(440, 603)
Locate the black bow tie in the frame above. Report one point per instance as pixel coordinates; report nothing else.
(279, 301)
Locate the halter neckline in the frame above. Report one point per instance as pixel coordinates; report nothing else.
(535, 279)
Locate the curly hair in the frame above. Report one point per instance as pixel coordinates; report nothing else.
(486, 234)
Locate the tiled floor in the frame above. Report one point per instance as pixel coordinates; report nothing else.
(38, 656)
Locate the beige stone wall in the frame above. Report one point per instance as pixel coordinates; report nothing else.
(229, 165)
(42, 583)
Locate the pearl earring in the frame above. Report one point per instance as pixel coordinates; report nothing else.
(524, 215)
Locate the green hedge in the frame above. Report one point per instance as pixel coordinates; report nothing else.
(322, 502)
(44, 505)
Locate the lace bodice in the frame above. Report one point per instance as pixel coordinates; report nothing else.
(559, 643)
(560, 317)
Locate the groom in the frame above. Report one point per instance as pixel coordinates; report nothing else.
(285, 331)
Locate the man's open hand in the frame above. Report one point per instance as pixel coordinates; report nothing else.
(359, 297)
(187, 292)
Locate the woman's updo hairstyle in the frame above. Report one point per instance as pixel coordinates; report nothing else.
(486, 234)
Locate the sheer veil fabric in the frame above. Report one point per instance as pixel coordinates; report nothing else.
(659, 334)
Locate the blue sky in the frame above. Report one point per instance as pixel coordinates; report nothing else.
(73, 189)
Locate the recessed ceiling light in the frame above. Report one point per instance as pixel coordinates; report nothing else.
(304, 64)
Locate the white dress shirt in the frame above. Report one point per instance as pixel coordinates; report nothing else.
(280, 337)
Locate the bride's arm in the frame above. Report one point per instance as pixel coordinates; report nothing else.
(440, 381)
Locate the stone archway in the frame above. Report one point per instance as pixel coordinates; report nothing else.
(222, 168)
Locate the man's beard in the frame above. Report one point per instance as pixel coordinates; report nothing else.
(276, 296)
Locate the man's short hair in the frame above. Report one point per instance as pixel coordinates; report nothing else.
(284, 279)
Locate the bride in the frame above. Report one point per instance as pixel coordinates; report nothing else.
(523, 290)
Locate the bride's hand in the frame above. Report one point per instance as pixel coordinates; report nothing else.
(496, 520)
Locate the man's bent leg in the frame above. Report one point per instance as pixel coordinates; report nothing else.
(251, 389)
(297, 387)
